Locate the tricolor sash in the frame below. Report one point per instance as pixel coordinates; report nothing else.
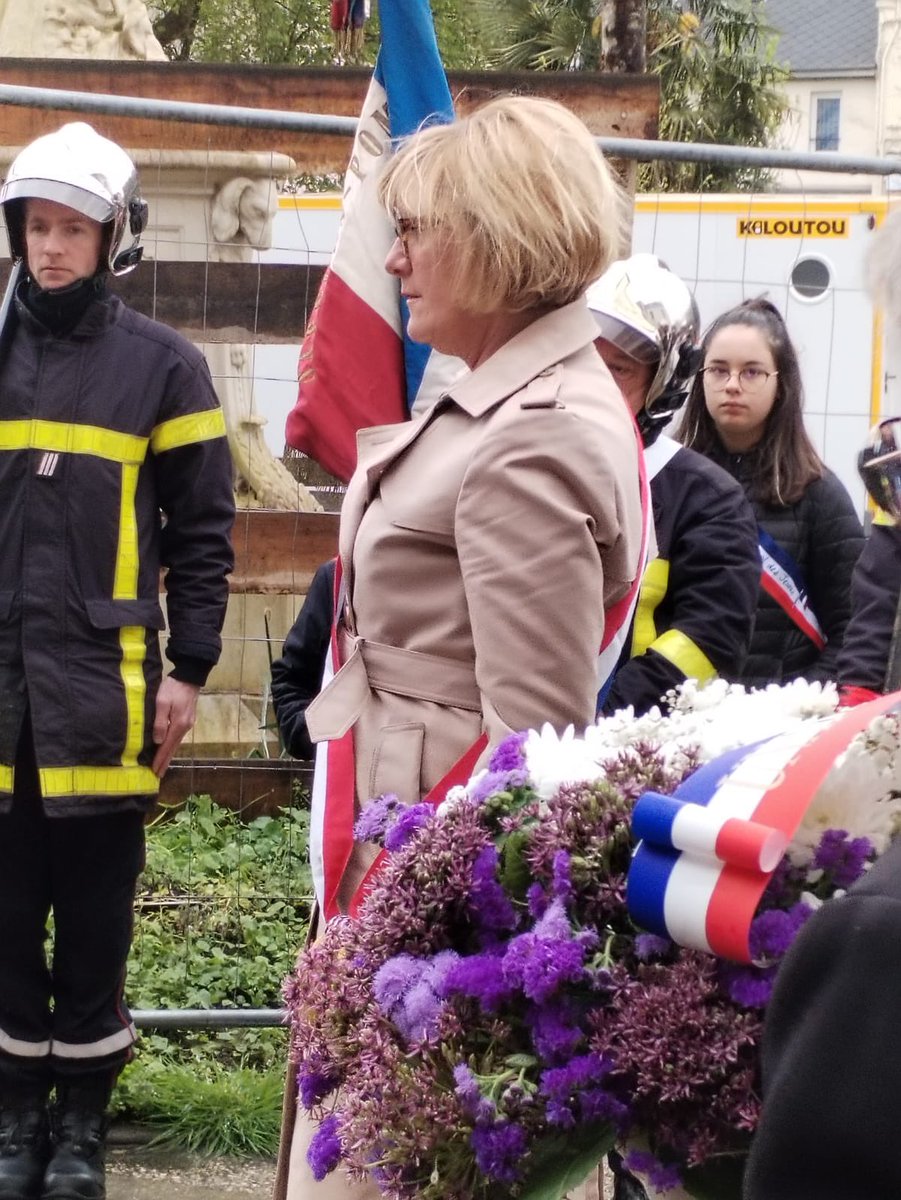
(707, 852)
(332, 811)
(618, 618)
(783, 579)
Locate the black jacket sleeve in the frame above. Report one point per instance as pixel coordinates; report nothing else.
(195, 493)
(836, 540)
(297, 675)
(707, 539)
(875, 587)
(832, 1054)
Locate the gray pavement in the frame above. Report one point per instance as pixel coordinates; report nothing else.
(147, 1173)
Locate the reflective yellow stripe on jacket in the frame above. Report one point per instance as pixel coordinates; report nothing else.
(673, 645)
(186, 430)
(61, 438)
(129, 451)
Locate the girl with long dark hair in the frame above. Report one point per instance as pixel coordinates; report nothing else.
(745, 413)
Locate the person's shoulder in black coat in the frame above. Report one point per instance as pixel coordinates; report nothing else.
(297, 675)
(875, 586)
(832, 1053)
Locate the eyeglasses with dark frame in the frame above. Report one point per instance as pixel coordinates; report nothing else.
(751, 379)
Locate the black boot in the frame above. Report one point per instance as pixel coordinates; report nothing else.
(77, 1167)
(24, 1144)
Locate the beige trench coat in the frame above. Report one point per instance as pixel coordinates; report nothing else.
(481, 544)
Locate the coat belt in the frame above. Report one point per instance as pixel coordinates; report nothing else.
(376, 667)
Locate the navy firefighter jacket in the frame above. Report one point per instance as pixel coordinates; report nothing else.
(113, 465)
(695, 611)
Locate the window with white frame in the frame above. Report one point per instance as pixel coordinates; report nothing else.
(824, 122)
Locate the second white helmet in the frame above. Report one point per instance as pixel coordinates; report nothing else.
(645, 309)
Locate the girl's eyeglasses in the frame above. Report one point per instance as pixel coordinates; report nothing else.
(751, 379)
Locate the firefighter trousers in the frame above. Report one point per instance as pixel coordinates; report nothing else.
(62, 1012)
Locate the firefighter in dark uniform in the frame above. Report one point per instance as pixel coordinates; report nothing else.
(869, 662)
(696, 607)
(113, 466)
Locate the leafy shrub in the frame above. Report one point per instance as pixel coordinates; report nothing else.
(222, 908)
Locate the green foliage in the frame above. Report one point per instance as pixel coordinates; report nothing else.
(719, 83)
(231, 1112)
(296, 32)
(252, 31)
(222, 909)
(719, 79)
(541, 35)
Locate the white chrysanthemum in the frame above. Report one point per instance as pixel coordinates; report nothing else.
(554, 760)
(455, 795)
(861, 794)
(714, 718)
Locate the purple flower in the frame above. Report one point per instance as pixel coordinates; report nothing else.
(375, 817)
(537, 900)
(467, 1090)
(492, 908)
(750, 987)
(417, 1014)
(553, 922)
(650, 945)
(661, 1176)
(842, 857)
(773, 931)
(508, 755)
(555, 1032)
(438, 968)
(496, 781)
(324, 1152)
(499, 1149)
(314, 1086)
(478, 976)
(406, 823)
(542, 961)
(393, 980)
(565, 1087)
(563, 888)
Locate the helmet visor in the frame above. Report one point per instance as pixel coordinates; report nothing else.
(73, 197)
(629, 340)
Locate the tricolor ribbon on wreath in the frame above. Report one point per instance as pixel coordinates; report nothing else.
(707, 852)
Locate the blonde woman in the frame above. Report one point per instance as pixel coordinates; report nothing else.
(481, 544)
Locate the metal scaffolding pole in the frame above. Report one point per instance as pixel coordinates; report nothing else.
(265, 118)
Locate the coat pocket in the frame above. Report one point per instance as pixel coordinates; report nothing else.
(397, 762)
(114, 614)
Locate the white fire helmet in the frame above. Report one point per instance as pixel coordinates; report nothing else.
(77, 167)
(646, 310)
(879, 465)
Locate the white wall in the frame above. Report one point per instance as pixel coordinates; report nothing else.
(857, 132)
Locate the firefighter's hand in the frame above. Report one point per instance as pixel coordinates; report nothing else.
(176, 710)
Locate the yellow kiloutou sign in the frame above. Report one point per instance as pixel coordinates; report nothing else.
(793, 227)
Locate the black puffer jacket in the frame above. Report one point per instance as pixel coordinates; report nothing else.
(823, 535)
(874, 592)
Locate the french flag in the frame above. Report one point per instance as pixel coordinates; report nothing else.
(707, 852)
(357, 367)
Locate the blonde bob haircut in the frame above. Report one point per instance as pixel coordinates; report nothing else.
(528, 212)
